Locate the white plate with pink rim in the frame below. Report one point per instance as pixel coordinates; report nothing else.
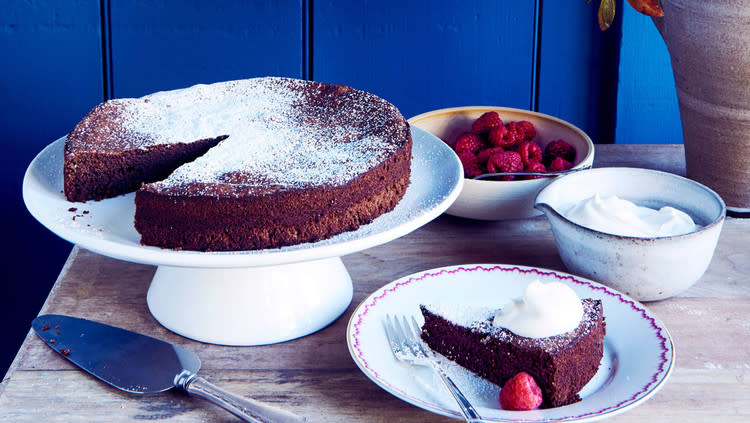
(638, 350)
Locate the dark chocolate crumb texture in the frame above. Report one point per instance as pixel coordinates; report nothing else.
(561, 364)
(242, 165)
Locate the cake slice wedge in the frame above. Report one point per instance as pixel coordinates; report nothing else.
(560, 364)
(104, 158)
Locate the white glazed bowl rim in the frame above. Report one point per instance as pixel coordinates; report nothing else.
(565, 179)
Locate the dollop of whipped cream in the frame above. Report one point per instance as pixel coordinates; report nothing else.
(618, 216)
(546, 309)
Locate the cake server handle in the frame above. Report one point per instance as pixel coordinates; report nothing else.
(470, 414)
(245, 408)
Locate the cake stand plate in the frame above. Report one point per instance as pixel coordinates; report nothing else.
(242, 297)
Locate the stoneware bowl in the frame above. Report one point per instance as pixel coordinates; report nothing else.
(647, 269)
(498, 200)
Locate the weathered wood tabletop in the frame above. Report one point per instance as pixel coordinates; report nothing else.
(315, 376)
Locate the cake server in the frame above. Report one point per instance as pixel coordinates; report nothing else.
(143, 365)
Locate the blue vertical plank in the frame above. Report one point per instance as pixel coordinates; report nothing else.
(577, 67)
(425, 55)
(647, 110)
(49, 78)
(166, 44)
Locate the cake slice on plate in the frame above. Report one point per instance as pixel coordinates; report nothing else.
(487, 341)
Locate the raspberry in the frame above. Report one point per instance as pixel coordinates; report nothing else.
(534, 167)
(520, 393)
(530, 152)
(485, 154)
(558, 164)
(497, 138)
(506, 136)
(516, 134)
(506, 161)
(470, 164)
(559, 148)
(486, 122)
(468, 142)
(529, 132)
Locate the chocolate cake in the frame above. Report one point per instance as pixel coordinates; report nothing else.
(242, 165)
(561, 364)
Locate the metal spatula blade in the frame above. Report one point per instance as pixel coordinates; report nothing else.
(143, 365)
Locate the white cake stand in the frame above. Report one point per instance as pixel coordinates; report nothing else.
(243, 297)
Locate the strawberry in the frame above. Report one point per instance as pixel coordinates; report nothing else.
(559, 148)
(468, 142)
(506, 161)
(530, 152)
(470, 164)
(520, 393)
(486, 122)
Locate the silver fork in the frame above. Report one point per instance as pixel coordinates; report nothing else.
(407, 347)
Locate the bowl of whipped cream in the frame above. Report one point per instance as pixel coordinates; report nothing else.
(646, 233)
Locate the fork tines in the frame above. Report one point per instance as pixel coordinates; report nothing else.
(403, 337)
(402, 334)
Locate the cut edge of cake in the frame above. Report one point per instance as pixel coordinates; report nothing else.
(105, 157)
(561, 365)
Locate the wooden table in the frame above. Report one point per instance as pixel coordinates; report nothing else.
(316, 377)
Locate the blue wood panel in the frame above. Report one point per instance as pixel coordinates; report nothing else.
(426, 55)
(50, 76)
(647, 110)
(165, 44)
(577, 67)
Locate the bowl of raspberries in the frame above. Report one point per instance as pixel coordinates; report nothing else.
(490, 139)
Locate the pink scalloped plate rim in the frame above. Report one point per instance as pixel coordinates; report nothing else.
(662, 357)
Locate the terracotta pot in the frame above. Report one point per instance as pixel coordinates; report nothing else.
(709, 45)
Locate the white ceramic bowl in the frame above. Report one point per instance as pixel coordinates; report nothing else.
(645, 268)
(497, 200)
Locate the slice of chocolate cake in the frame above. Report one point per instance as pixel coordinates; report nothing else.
(560, 364)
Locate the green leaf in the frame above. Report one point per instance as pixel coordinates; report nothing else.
(606, 13)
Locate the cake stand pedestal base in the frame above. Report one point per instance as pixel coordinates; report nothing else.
(251, 305)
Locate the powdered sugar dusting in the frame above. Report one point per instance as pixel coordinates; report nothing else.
(280, 132)
(461, 313)
(479, 320)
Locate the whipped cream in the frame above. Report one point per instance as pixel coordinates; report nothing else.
(618, 216)
(545, 310)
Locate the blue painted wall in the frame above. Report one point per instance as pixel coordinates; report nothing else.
(427, 55)
(167, 44)
(647, 109)
(50, 76)
(59, 58)
(577, 67)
